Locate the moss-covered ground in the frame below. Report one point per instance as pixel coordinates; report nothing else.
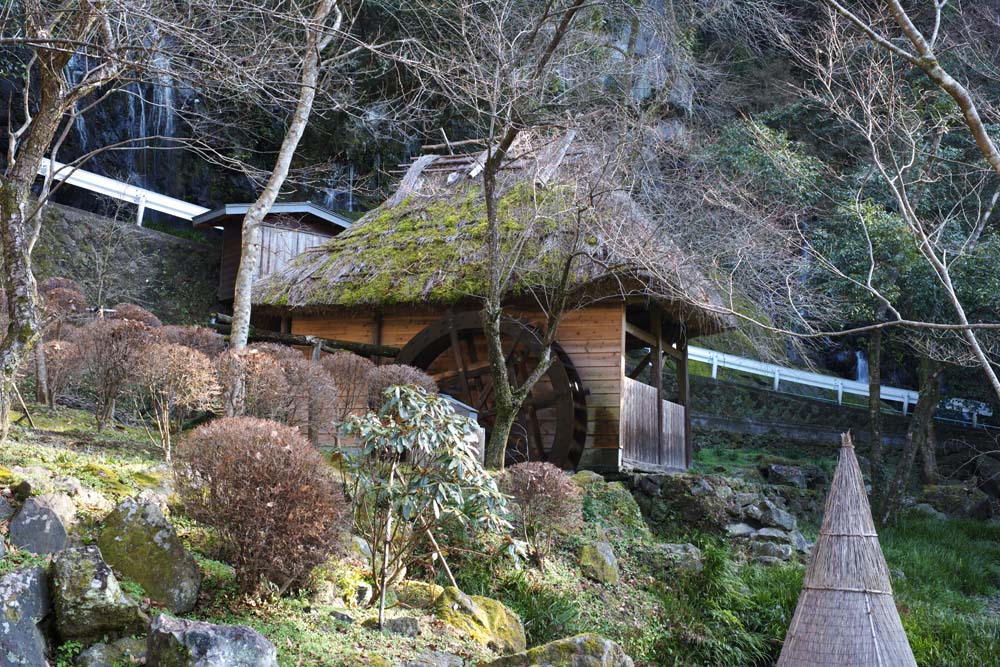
(946, 573)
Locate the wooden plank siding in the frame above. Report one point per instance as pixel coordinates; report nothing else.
(639, 425)
(279, 244)
(592, 337)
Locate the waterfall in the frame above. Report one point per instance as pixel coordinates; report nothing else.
(76, 70)
(861, 374)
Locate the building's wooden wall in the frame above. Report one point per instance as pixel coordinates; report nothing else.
(593, 337)
(280, 241)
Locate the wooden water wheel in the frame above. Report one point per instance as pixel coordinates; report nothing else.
(551, 425)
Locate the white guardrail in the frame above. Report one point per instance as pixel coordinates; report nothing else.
(123, 191)
(781, 374)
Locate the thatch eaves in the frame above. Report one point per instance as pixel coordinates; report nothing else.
(846, 614)
(427, 244)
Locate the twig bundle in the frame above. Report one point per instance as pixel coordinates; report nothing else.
(846, 614)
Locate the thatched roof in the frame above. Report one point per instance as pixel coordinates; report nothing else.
(427, 244)
(846, 614)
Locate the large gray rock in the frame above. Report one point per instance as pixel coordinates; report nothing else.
(775, 473)
(771, 550)
(771, 535)
(740, 530)
(799, 542)
(435, 659)
(126, 651)
(83, 496)
(42, 525)
(24, 603)
(598, 562)
(587, 650)
(139, 542)
(88, 601)
(769, 515)
(6, 509)
(405, 626)
(175, 642)
(683, 557)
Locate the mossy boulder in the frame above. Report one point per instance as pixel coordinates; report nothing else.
(88, 601)
(586, 650)
(176, 642)
(614, 508)
(125, 651)
(417, 594)
(139, 542)
(483, 620)
(598, 562)
(24, 605)
(6, 476)
(958, 501)
(108, 478)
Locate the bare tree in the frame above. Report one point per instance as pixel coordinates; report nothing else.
(318, 36)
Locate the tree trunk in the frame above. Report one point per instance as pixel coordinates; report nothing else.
(41, 376)
(875, 418)
(503, 397)
(318, 37)
(916, 433)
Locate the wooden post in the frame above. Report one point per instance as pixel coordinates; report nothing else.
(657, 372)
(684, 398)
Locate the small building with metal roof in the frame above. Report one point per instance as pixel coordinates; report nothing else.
(288, 230)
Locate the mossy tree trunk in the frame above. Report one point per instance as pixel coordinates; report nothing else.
(917, 434)
(875, 418)
(509, 396)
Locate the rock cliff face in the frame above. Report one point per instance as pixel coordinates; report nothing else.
(119, 262)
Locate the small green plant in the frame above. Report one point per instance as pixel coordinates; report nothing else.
(416, 468)
(132, 588)
(66, 653)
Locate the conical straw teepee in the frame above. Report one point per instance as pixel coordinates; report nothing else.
(846, 615)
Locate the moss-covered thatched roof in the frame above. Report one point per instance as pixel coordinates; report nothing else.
(427, 245)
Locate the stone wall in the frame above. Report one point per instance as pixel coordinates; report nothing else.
(117, 261)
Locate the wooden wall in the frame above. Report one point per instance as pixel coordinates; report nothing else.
(641, 428)
(593, 337)
(279, 244)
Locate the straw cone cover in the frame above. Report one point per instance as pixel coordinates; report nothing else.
(846, 614)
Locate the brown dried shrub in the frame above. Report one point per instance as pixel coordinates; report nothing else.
(207, 341)
(546, 502)
(58, 282)
(62, 364)
(110, 351)
(253, 384)
(130, 311)
(67, 332)
(349, 373)
(175, 380)
(312, 396)
(381, 378)
(269, 494)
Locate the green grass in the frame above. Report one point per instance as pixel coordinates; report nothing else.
(952, 577)
(728, 615)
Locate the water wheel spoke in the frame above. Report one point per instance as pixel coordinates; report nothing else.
(548, 425)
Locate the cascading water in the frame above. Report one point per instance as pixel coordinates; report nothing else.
(861, 374)
(76, 70)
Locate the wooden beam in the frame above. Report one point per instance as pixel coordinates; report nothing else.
(657, 372)
(641, 334)
(637, 371)
(684, 398)
(329, 344)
